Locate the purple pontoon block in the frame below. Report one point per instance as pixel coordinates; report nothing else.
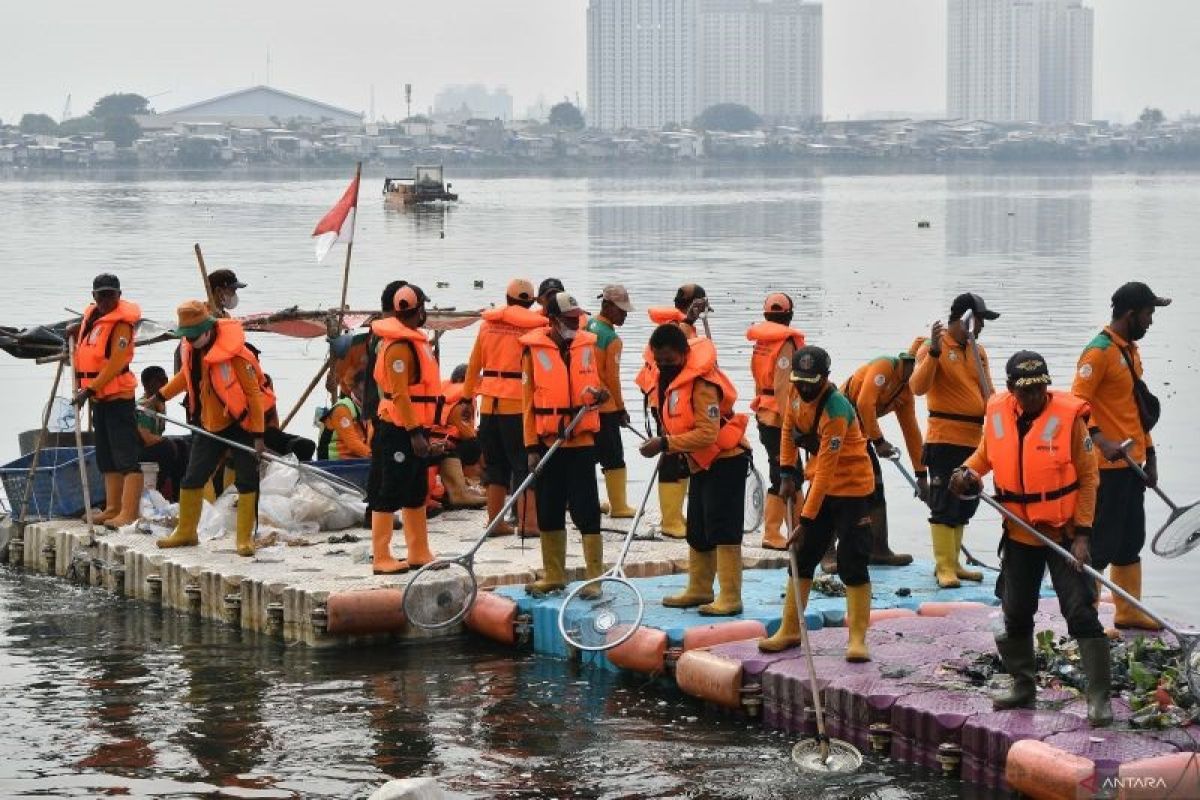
(1108, 749)
(986, 739)
(925, 628)
(786, 687)
(921, 722)
(855, 702)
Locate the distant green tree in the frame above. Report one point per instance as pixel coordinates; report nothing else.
(120, 105)
(728, 117)
(86, 124)
(1151, 117)
(34, 124)
(566, 115)
(123, 130)
(195, 152)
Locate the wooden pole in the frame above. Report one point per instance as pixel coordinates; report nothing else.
(83, 476)
(304, 397)
(349, 248)
(41, 441)
(208, 290)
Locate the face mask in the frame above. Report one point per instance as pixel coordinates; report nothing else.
(667, 374)
(230, 301)
(808, 391)
(202, 341)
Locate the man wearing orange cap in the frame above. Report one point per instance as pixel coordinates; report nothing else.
(771, 367)
(561, 376)
(410, 387)
(690, 302)
(878, 388)
(494, 377)
(227, 394)
(103, 352)
(615, 306)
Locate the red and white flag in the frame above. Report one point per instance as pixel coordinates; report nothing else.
(338, 224)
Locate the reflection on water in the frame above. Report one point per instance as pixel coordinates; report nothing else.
(104, 696)
(1019, 217)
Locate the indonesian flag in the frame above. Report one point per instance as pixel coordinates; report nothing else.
(338, 224)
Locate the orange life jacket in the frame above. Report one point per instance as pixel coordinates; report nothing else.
(425, 388)
(229, 342)
(500, 349)
(1035, 475)
(678, 416)
(558, 391)
(663, 315)
(93, 350)
(445, 415)
(769, 339)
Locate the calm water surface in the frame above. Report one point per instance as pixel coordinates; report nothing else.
(102, 688)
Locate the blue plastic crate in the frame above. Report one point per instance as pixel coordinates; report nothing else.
(57, 491)
(354, 470)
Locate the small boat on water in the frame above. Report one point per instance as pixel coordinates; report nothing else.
(426, 186)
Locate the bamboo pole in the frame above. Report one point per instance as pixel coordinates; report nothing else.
(208, 290)
(308, 391)
(349, 248)
(41, 441)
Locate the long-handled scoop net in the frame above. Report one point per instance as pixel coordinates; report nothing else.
(821, 754)
(972, 560)
(756, 494)
(442, 592)
(1189, 642)
(1181, 532)
(601, 613)
(321, 481)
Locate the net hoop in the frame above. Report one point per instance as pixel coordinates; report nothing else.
(843, 757)
(606, 624)
(755, 502)
(1180, 534)
(423, 587)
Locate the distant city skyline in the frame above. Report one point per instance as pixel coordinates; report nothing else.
(877, 55)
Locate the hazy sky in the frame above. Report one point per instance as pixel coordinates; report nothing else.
(880, 55)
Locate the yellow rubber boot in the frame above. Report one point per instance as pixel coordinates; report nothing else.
(945, 555)
(382, 560)
(593, 562)
(1129, 578)
(788, 635)
(618, 501)
(113, 484)
(131, 498)
(729, 579)
(962, 572)
(416, 536)
(496, 495)
(184, 535)
(773, 514)
(451, 471)
(670, 500)
(247, 518)
(554, 562)
(858, 619)
(702, 568)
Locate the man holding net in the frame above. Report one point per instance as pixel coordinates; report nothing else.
(821, 419)
(695, 401)
(1037, 447)
(1109, 378)
(561, 375)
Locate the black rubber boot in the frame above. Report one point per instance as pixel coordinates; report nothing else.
(1097, 666)
(1021, 663)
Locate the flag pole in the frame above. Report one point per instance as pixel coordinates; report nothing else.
(349, 248)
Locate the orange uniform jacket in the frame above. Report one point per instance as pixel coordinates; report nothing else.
(497, 352)
(351, 433)
(841, 467)
(771, 368)
(227, 352)
(877, 389)
(581, 375)
(1105, 381)
(609, 347)
(950, 384)
(1083, 458)
(102, 358)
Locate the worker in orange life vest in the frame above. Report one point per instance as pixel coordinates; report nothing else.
(690, 302)
(1037, 446)
(695, 401)
(454, 431)
(103, 352)
(227, 393)
(561, 376)
(771, 367)
(493, 379)
(410, 387)
(615, 305)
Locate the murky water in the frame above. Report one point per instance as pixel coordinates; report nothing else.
(103, 696)
(105, 689)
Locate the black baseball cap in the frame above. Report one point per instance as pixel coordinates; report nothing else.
(225, 279)
(689, 293)
(550, 285)
(1135, 295)
(973, 303)
(1027, 368)
(809, 364)
(106, 282)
